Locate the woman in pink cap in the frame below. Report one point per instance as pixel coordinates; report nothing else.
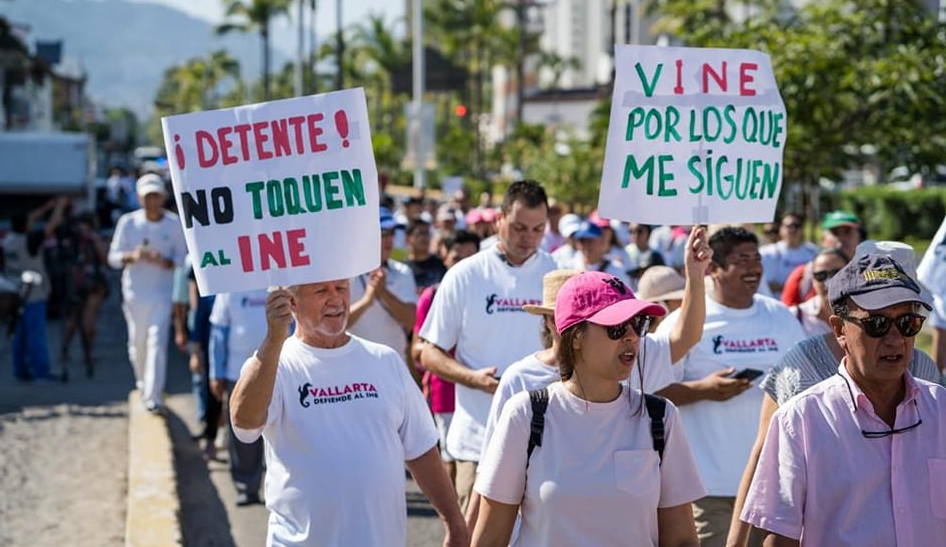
(596, 474)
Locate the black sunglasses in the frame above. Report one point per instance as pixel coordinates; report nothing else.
(876, 326)
(888, 432)
(824, 275)
(639, 324)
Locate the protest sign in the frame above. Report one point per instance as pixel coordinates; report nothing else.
(695, 136)
(276, 193)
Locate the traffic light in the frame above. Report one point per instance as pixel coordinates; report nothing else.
(460, 110)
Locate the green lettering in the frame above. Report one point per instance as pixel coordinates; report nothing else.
(665, 177)
(208, 260)
(728, 112)
(354, 189)
(331, 190)
(290, 188)
(750, 137)
(648, 88)
(694, 136)
(710, 136)
(776, 130)
(770, 176)
(310, 190)
(754, 188)
(634, 119)
(742, 183)
(631, 169)
(256, 190)
(274, 199)
(696, 173)
(673, 117)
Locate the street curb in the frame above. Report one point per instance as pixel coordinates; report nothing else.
(152, 517)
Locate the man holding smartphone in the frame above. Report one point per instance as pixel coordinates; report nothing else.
(743, 330)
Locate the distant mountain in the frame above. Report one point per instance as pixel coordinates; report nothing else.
(125, 47)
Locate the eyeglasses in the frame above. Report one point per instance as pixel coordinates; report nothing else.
(792, 226)
(824, 275)
(876, 326)
(640, 324)
(888, 432)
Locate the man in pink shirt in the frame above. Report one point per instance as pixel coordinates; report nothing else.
(859, 459)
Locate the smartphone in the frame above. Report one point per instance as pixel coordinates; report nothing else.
(747, 374)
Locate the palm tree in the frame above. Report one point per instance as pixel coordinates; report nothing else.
(558, 65)
(254, 15)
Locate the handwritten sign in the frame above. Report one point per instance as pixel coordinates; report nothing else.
(695, 136)
(276, 193)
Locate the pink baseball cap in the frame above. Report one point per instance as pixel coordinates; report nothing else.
(598, 298)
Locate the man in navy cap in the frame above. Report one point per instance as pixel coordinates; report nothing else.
(883, 480)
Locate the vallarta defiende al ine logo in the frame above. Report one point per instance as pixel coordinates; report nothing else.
(309, 395)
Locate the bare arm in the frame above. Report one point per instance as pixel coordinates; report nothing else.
(249, 402)
(675, 527)
(58, 210)
(405, 313)
(494, 524)
(472, 509)
(739, 530)
(715, 387)
(689, 329)
(432, 479)
(359, 307)
(440, 363)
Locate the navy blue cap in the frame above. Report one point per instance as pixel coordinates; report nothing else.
(587, 230)
(387, 220)
(874, 281)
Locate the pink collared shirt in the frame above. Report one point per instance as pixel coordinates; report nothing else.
(821, 481)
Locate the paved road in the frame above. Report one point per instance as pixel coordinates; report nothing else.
(63, 457)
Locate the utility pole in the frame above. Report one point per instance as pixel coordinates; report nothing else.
(420, 155)
(313, 52)
(520, 59)
(300, 50)
(339, 47)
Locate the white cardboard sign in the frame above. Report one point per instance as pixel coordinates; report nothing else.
(276, 193)
(695, 136)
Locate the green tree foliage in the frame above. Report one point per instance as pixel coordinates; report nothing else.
(195, 86)
(254, 16)
(851, 73)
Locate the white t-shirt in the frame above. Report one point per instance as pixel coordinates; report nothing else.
(596, 479)
(244, 313)
(376, 324)
(610, 267)
(564, 255)
(778, 259)
(478, 309)
(530, 373)
(142, 280)
(722, 433)
(339, 428)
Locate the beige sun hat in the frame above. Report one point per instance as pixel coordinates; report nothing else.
(660, 283)
(551, 283)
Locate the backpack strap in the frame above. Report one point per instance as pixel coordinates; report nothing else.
(540, 401)
(656, 407)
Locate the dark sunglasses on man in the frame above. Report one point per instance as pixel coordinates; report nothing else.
(877, 326)
(824, 275)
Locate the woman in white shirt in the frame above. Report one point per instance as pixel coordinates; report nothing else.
(597, 477)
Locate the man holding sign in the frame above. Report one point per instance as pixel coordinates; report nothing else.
(341, 417)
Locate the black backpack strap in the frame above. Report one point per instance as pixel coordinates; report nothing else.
(656, 407)
(540, 401)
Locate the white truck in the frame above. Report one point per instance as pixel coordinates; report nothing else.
(35, 166)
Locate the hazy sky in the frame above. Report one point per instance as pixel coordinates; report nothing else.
(352, 11)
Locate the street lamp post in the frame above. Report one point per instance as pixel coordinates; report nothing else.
(417, 30)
